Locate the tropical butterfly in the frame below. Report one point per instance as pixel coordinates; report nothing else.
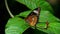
(33, 17)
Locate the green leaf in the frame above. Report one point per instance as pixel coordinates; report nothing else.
(24, 14)
(45, 6)
(16, 25)
(47, 16)
(32, 4)
(43, 18)
(29, 3)
(54, 28)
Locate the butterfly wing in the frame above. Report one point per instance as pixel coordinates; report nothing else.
(32, 18)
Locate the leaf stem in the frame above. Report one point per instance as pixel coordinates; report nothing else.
(6, 4)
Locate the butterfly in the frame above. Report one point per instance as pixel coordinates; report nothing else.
(33, 17)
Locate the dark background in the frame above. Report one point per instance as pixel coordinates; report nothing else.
(17, 8)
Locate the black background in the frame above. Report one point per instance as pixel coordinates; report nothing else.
(17, 8)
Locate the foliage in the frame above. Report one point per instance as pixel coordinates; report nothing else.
(17, 25)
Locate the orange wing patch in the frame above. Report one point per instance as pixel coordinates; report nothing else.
(32, 20)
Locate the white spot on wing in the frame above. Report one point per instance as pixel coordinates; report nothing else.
(35, 11)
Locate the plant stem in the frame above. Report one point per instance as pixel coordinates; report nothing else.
(6, 4)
